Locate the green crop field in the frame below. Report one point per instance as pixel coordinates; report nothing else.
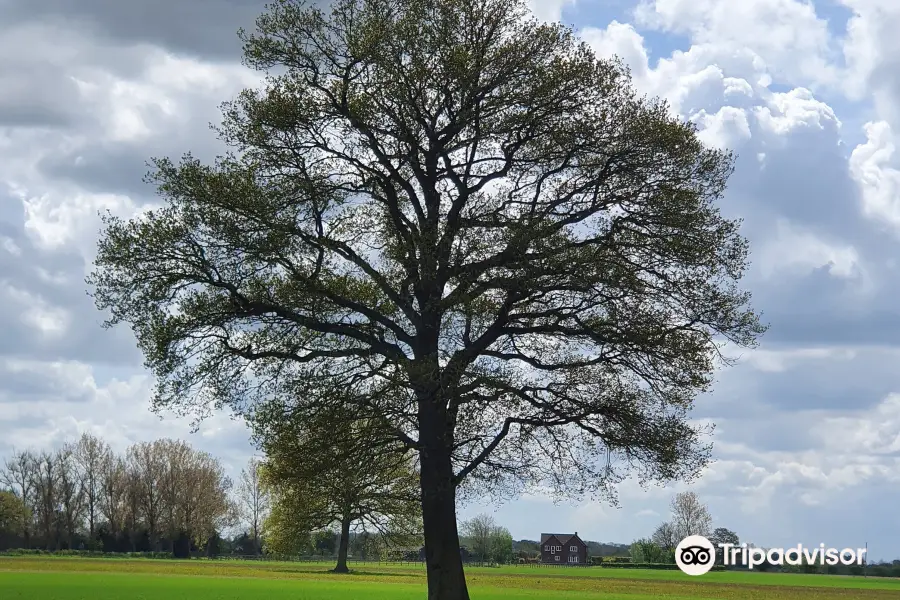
(52, 578)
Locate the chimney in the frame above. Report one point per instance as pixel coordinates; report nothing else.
(576, 534)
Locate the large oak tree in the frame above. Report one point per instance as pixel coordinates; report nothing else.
(452, 199)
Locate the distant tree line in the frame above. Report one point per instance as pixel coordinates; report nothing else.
(690, 516)
(157, 496)
(168, 497)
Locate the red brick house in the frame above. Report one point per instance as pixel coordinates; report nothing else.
(563, 549)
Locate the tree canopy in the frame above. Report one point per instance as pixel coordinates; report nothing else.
(723, 535)
(486, 540)
(14, 514)
(689, 517)
(455, 201)
(331, 468)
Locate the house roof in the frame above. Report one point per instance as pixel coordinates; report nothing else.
(562, 537)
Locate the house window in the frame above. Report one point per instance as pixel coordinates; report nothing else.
(556, 557)
(573, 559)
(547, 547)
(573, 548)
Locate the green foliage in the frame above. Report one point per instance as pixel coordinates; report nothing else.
(721, 535)
(324, 543)
(331, 470)
(487, 541)
(501, 546)
(14, 513)
(646, 551)
(282, 534)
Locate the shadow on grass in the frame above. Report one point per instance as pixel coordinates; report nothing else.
(387, 573)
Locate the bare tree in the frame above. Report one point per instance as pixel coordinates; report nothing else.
(690, 516)
(479, 530)
(133, 508)
(176, 457)
(113, 492)
(18, 474)
(71, 492)
(90, 454)
(146, 463)
(253, 500)
(46, 490)
(207, 504)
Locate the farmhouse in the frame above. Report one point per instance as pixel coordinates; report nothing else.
(563, 549)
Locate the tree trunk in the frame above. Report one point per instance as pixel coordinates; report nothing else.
(343, 546)
(443, 563)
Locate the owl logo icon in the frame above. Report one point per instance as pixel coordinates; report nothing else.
(695, 555)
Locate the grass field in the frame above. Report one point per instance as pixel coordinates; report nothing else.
(46, 578)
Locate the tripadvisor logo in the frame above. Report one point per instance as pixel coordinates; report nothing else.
(695, 555)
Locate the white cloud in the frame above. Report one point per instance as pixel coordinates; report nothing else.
(71, 401)
(795, 250)
(870, 48)
(724, 128)
(796, 108)
(10, 246)
(686, 80)
(872, 432)
(734, 85)
(787, 34)
(780, 361)
(549, 10)
(878, 181)
(48, 321)
(716, 86)
(59, 219)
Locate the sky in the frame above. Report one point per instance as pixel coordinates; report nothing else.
(807, 439)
